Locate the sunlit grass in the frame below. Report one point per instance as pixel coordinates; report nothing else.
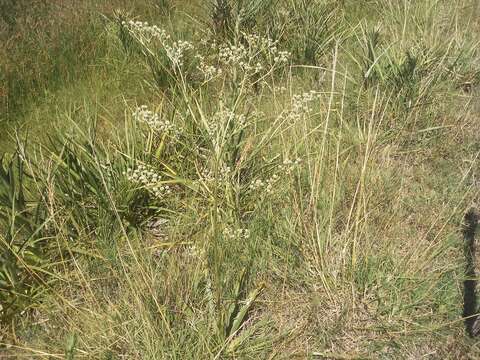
(287, 180)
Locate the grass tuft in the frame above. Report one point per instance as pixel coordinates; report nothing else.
(282, 179)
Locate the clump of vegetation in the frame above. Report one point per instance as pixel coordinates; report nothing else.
(255, 186)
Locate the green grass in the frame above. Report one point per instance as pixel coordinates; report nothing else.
(300, 205)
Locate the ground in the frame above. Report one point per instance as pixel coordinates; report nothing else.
(257, 179)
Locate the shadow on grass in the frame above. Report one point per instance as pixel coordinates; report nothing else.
(472, 326)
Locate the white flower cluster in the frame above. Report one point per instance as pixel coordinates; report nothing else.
(223, 124)
(266, 185)
(153, 120)
(225, 174)
(195, 251)
(268, 46)
(260, 42)
(286, 168)
(289, 165)
(176, 51)
(232, 54)
(225, 118)
(238, 234)
(209, 71)
(282, 57)
(249, 57)
(301, 105)
(207, 175)
(145, 31)
(148, 178)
